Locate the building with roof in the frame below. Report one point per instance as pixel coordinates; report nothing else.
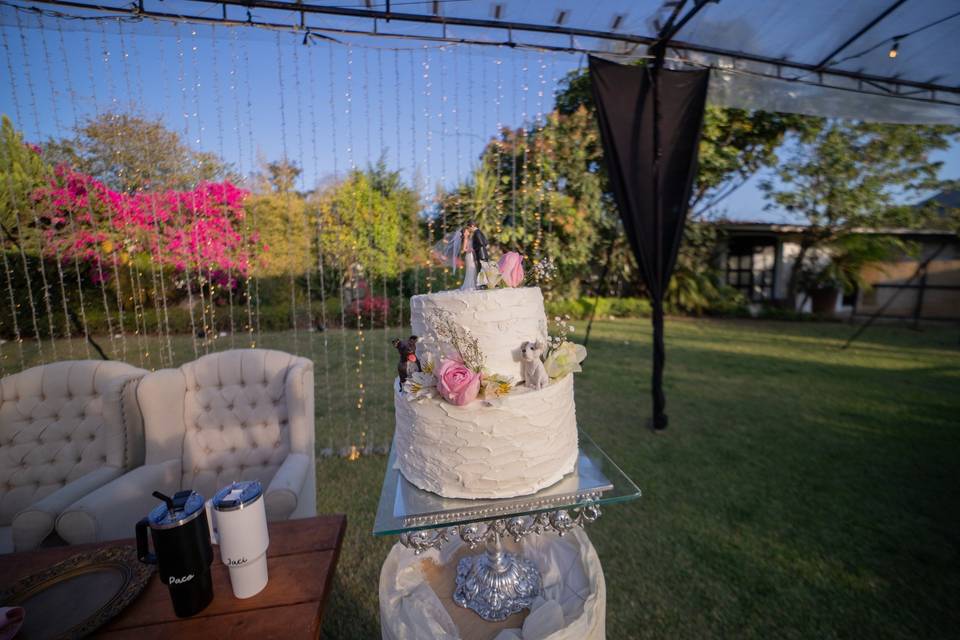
(922, 283)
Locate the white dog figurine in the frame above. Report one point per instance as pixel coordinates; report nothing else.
(534, 375)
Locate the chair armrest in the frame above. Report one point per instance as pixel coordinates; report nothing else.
(112, 511)
(284, 489)
(32, 525)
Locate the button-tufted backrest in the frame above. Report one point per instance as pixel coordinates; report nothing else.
(59, 422)
(236, 417)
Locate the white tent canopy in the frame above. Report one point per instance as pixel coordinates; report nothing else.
(886, 60)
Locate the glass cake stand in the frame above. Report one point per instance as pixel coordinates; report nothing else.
(497, 583)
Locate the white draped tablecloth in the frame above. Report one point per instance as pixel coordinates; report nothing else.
(572, 606)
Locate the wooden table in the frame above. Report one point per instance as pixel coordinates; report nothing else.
(301, 560)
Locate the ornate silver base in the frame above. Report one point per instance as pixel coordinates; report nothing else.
(496, 584)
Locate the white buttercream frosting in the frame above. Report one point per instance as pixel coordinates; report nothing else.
(500, 319)
(517, 445)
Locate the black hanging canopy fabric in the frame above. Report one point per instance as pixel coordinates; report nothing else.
(650, 121)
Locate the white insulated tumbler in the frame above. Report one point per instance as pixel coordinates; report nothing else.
(238, 524)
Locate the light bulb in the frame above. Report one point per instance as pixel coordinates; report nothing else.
(893, 49)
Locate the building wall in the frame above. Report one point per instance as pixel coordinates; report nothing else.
(938, 297)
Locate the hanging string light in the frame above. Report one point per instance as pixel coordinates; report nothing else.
(348, 107)
(413, 166)
(253, 218)
(396, 93)
(158, 292)
(455, 112)
(442, 185)
(22, 238)
(525, 157)
(112, 249)
(333, 111)
(366, 104)
(305, 235)
(344, 363)
(286, 194)
(14, 303)
(539, 150)
(386, 299)
(136, 289)
(218, 107)
(168, 108)
(210, 329)
(91, 82)
(70, 219)
(55, 102)
(202, 279)
(498, 145)
(427, 91)
(186, 133)
(320, 269)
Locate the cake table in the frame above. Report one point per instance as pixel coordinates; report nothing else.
(497, 583)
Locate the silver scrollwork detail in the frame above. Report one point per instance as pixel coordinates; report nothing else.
(475, 534)
(424, 539)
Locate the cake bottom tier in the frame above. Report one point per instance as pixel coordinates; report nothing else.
(514, 446)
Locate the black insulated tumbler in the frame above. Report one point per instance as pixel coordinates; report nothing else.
(182, 550)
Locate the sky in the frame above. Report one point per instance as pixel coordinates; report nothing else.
(252, 95)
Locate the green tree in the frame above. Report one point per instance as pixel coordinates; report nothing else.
(848, 176)
(283, 221)
(22, 171)
(577, 222)
(129, 152)
(365, 220)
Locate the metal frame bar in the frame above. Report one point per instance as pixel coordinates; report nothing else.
(510, 27)
(849, 41)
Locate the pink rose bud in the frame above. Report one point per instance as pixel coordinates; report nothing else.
(511, 268)
(458, 384)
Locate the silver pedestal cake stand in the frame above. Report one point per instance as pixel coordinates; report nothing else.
(497, 583)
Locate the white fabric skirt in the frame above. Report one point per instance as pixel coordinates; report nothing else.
(573, 606)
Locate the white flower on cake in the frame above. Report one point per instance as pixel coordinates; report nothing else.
(420, 386)
(494, 386)
(489, 275)
(565, 359)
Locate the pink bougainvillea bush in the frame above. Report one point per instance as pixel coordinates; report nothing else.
(198, 232)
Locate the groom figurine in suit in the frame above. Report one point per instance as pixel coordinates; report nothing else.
(481, 253)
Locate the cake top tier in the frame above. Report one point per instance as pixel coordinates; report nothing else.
(500, 320)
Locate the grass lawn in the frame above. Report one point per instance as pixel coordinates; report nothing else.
(801, 491)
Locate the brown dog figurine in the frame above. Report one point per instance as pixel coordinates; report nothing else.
(408, 357)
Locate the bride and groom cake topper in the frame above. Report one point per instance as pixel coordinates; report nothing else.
(469, 246)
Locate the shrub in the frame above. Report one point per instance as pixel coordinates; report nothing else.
(581, 308)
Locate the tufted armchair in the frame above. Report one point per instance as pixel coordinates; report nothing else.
(244, 414)
(62, 435)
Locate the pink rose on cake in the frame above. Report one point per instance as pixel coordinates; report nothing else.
(457, 383)
(511, 269)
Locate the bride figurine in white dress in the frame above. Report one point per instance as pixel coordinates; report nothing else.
(470, 245)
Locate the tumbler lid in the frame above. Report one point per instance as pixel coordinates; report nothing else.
(237, 495)
(184, 507)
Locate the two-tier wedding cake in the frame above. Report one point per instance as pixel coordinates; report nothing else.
(487, 411)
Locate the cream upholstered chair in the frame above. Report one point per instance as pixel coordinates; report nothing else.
(245, 414)
(62, 435)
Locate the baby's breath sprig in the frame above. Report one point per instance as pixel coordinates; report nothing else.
(445, 329)
(562, 329)
(543, 272)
